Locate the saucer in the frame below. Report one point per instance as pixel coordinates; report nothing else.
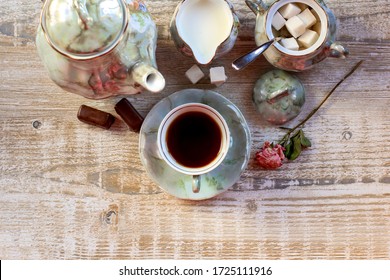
(217, 180)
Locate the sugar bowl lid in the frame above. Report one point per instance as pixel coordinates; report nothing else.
(84, 29)
(278, 96)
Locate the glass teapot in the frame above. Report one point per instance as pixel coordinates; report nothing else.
(288, 60)
(99, 48)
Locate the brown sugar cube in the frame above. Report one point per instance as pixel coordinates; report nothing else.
(95, 117)
(129, 114)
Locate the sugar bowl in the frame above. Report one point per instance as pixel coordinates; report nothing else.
(308, 41)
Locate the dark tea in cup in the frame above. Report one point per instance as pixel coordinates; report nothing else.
(193, 139)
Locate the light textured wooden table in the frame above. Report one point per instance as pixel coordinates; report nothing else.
(72, 191)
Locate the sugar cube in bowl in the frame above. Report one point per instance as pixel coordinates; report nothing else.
(298, 25)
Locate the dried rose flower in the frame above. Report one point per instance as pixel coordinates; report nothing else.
(270, 156)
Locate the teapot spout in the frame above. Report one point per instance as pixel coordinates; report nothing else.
(148, 77)
(338, 51)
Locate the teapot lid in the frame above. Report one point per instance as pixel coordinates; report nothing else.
(84, 29)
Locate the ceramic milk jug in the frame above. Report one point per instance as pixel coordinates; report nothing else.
(99, 48)
(204, 29)
(296, 60)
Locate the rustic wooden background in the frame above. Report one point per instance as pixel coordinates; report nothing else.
(72, 191)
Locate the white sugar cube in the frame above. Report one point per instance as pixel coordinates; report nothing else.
(290, 43)
(278, 21)
(217, 75)
(296, 26)
(308, 38)
(308, 18)
(289, 10)
(194, 74)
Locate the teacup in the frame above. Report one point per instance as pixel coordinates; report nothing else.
(193, 139)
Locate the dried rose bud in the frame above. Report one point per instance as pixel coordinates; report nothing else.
(270, 157)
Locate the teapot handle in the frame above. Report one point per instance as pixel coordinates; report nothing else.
(338, 51)
(148, 77)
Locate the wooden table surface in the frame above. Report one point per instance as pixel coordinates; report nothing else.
(72, 191)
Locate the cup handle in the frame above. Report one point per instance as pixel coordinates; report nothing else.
(196, 183)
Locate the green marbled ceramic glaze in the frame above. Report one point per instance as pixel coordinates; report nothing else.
(222, 49)
(296, 62)
(94, 47)
(214, 182)
(278, 96)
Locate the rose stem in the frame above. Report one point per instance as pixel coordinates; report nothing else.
(323, 101)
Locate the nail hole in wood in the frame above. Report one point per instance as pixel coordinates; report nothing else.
(36, 124)
(111, 217)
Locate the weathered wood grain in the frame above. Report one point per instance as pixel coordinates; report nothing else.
(68, 190)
